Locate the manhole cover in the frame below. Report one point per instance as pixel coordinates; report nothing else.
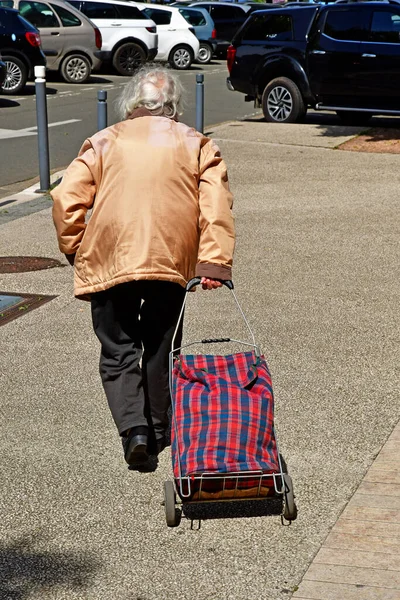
(22, 264)
(13, 306)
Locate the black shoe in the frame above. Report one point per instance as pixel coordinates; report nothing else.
(135, 448)
(161, 445)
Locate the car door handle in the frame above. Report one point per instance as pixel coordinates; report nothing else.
(116, 24)
(171, 29)
(317, 52)
(55, 33)
(368, 55)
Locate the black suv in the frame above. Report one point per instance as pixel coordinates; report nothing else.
(20, 49)
(340, 57)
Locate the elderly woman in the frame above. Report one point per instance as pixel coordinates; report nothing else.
(161, 214)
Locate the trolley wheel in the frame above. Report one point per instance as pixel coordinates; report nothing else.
(172, 514)
(290, 509)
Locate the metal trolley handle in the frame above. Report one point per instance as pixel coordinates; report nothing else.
(229, 284)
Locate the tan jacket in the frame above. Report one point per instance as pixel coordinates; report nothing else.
(161, 206)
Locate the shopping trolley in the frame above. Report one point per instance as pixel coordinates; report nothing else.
(224, 447)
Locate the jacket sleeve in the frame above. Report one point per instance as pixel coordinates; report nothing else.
(73, 197)
(217, 231)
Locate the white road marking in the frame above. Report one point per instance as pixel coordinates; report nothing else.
(6, 134)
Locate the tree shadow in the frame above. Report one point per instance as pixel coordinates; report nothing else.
(23, 569)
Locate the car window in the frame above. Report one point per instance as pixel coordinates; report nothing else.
(99, 10)
(129, 12)
(7, 3)
(269, 27)
(38, 13)
(344, 25)
(75, 3)
(385, 27)
(194, 17)
(223, 13)
(68, 19)
(160, 17)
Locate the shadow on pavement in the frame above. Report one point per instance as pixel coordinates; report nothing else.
(24, 570)
(30, 90)
(330, 125)
(6, 103)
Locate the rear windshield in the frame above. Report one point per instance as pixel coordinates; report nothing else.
(194, 17)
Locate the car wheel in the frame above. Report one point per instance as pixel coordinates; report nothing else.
(352, 117)
(16, 75)
(76, 68)
(127, 58)
(282, 102)
(181, 57)
(205, 54)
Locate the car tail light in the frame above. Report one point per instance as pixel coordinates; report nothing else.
(152, 29)
(230, 57)
(97, 37)
(214, 34)
(33, 38)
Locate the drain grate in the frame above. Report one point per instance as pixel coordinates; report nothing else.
(13, 306)
(23, 264)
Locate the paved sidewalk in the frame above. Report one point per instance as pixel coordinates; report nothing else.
(317, 271)
(360, 558)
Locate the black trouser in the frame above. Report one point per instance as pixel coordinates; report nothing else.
(129, 318)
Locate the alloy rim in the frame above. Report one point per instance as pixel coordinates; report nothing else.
(130, 58)
(13, 77)
(204, 54)
(182, 58)
(280, 103)
(76, 69)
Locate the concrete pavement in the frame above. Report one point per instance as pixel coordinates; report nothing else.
(317, 272)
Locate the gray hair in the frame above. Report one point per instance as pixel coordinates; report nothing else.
(155, 88)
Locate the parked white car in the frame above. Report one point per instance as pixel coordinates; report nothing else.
(177, 42)
(129, 36)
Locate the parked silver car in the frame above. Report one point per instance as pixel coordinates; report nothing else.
(69, 39)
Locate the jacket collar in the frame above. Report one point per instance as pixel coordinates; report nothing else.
(144, 112)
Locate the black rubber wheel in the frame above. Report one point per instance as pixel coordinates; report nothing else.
(181, 57)
(76, 68)
(352, 117)
(16, 75)
(290, 508)
(128, 57)
(205, 53)
(282, 102)
(172, 514)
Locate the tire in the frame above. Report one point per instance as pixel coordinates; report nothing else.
(172, 514)
(205, 54)
(16, 77)
(282, 102)
(181, 57)
(76, 68)
(352, 117)
(290, 508)
(127, 58)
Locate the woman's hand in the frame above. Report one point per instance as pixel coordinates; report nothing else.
(210, 284)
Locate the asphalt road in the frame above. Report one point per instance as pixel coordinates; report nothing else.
(72, 114)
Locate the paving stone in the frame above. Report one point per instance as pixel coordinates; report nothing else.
(354, 576)
(357, 558)
(364, 543)
(315, 590)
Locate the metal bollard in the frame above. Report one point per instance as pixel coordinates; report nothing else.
(42, 129)
(101, 110)
(200, 102)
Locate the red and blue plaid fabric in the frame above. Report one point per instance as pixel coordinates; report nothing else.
(224, 411)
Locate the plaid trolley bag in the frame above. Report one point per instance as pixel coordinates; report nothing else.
(223, 440)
